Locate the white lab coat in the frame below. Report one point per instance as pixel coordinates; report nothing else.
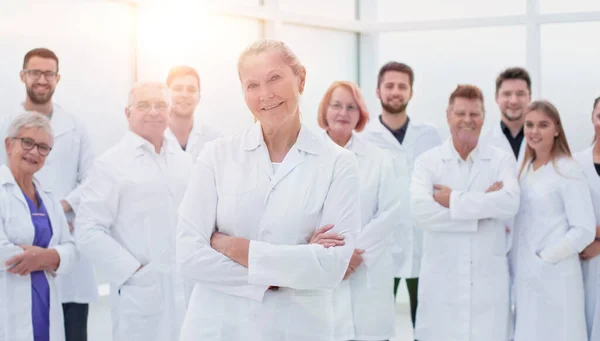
(199, 136)
(464, 281)
(233, 188)
(408, 238)
(591, 268)
(549, 298)
(128, 217)
(364, 304)
(16, 228)
(66, 167)
(495, 137)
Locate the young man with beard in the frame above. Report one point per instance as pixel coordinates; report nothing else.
(66, 167)
(184, 85)
(513, 95)
(404, 139)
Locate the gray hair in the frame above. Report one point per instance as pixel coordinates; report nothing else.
(149, 85)
(29, 120)
(262, 45)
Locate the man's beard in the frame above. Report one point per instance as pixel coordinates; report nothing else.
(37, 99)
(392, 109)
(511, 118)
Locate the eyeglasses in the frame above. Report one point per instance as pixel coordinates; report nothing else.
(28, 144)
(36, 74)
(339, 107)
(147, 106)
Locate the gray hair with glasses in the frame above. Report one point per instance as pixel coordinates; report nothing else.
(29, 120)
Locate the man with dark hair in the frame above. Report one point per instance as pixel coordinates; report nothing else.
(184, 84)
(66, 167)
(461, 194)
(404, 139)
(513, 95)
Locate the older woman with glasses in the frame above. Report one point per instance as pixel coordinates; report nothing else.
(35, 243)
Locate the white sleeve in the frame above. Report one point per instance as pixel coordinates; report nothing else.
(7, 249)
(428, 213)
(313, 266)
(97, 213)
(196, 259)
(502, 204)
(84, 165)
(378, 232)
(579, 209)
(66, 244)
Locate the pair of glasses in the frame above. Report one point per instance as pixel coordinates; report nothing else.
(36, 74)
(147, 106)
(29, 143)
(340, 107)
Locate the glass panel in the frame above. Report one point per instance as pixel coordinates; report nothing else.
(327, 55)
(404, 10)
(570, 75)
(337, 9)
(561, 6)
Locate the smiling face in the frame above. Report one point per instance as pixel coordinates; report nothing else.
(465, 119)
(148, 112)
(512, 98)
(343, 112)
(25, 151)
(185, 95)
(394, 92)
(271, 89)
(540, 131)
(40, 78)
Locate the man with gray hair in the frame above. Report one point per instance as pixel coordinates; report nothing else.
(128, 216)
(66, 167)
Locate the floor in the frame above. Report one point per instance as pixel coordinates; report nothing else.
(99, 319)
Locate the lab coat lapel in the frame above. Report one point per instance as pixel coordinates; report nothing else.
(380, 132)
(481, 160)
(6, 177)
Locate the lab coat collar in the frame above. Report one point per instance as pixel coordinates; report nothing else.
(358, 145)
(6, 177)
(306, 141)
(61, 121)
(481, 152)
(141, 145)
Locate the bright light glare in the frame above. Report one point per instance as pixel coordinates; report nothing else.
(169, 33)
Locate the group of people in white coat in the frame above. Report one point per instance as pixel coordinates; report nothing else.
(284, 233)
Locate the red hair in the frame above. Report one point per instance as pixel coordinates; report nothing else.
(358, 98)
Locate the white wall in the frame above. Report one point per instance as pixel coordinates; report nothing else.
(93, 42)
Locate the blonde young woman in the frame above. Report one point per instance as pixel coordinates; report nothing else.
(257, 206)
(590, 263)
(364, 301)
(554, 224)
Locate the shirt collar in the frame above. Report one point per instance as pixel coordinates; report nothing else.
(507, 131)
(401, 129)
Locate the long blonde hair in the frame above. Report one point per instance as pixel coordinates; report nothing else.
(560, 146)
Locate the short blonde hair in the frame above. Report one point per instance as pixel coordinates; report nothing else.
(358, 98)
(29, 120)
(288, 56)
(148, 85)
